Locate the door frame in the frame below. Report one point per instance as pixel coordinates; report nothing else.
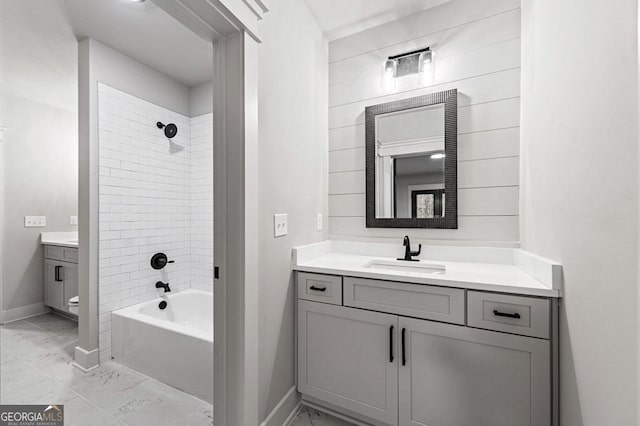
(232, 27)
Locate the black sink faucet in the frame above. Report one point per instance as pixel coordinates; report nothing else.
(166, 288)
(408, 254)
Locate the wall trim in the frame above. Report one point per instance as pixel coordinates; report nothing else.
(22, 312)
(86, 360)
(285, 411)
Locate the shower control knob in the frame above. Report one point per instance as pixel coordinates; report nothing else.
(160, 260)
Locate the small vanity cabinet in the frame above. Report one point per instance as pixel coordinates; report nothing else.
(392, 353)
(60, 276)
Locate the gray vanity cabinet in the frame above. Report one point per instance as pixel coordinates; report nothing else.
(461, 376)
(60, 276)
(376, 355)
(347, 357)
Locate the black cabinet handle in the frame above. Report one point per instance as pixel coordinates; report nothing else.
(505, 314)
(314, 288)
(404, 354)
(391, 344)
(57, 273)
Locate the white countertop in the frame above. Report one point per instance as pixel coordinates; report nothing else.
(512, 271)
(62, 239)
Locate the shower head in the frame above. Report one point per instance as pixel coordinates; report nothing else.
(170, 130)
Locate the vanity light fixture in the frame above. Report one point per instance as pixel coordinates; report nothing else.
(438, 156)
(419, 62)
(136, 1)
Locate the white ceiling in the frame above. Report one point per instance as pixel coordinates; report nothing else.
(146, 33)
(37, 53)
(340, 18)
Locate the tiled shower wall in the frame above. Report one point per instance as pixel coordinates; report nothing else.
(152, 199)
(202, 202)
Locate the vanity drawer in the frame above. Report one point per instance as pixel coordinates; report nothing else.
(70, 254)
(413, 300)
(67, 254)
(320, 288)
(528, 316)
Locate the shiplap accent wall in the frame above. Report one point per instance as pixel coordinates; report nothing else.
(477, 45)
(153, 198)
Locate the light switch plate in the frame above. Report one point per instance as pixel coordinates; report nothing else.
(73, 220)
(280, 227)
(35, 221)
(319, 222)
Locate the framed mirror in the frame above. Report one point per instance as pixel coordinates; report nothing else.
(412, 162)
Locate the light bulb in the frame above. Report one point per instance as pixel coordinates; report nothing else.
(426, 68)
(389, 69)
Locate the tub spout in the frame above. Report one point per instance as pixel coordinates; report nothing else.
(166, 288)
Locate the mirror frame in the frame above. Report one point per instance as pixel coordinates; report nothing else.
(450, 100)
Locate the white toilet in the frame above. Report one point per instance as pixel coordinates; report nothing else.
(74, 305)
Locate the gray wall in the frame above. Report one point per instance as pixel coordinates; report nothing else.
(200, 99)
(40, 177)
(580, 193)
(292, 177)
(124, 73)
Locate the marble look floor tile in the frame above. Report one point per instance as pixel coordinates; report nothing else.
(312, 417)
(52, 322)
(43, 391)
(162, 404)
(109, 381)
(16, 376)
(79, 411)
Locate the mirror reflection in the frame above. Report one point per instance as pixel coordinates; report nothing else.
(410, 163)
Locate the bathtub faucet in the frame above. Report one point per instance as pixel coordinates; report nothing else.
(166, 288)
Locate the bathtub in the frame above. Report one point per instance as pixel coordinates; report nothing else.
(173, 345)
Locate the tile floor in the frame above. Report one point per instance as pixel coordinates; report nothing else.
(35, 368)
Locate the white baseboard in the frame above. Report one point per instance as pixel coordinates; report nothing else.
(86, 360)
(286, 410)
(22, 312)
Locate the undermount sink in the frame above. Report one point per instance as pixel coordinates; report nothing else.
(405, 266)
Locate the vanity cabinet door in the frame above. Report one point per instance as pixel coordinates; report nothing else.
(349, 358)
(53, 284)
(459, 376)
(70, 280)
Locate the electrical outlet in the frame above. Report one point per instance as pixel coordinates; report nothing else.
(319, 222)
(280, 227)
(35, 221)
(73, 220)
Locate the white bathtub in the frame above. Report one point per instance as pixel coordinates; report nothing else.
(174, 345)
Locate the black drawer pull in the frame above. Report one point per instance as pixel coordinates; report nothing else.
(314, 288)
(404, 355)
(57, 273)
(391, 344)
(505, 314)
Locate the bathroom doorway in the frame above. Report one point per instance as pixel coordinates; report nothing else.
(146, 86)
